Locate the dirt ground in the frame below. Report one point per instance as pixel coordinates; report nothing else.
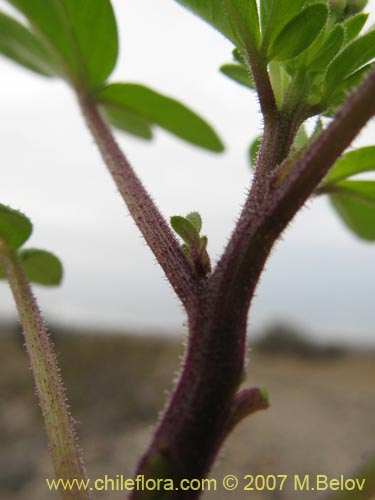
(322, 418)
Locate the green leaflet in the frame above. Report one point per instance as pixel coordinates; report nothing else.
(41, 267)
(338, 97)
(244, 16)
(299, 33)
(196, 220)
(237, 20)
(354, 25)
(152, 107)
(330, 46)
(354, 200)
(352, 58)
(352, 163)
(363, 191)
(15, 227)
(280, 80)
(301, 139)
(274, 15)
(186, 230)
(127, 121)
(195, 245)
(239, 74)
(20, 45)
(213, 12)
(355, 203)
(82, 34)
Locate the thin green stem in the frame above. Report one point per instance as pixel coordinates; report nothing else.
(66, 455)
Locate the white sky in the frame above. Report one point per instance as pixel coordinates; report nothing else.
(320, 277)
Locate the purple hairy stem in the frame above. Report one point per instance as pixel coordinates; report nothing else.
(146, 215)
(191, 430)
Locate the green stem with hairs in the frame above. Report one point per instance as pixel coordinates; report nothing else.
(63, 444)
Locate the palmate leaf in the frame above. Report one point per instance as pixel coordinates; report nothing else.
(354, 201)
(299, 33)
(15, 227)
(21, 46)
(82, 34)
(155, 108)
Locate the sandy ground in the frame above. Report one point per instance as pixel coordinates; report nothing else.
(322, 418)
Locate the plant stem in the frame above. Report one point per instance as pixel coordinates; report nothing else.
(191, 430)
(146, 215)
(59, 424)
(263, 85)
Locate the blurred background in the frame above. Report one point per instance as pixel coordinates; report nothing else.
(319, 277)
(312, 321)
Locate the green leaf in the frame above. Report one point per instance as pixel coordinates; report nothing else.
(275, 14)
(254, 151)
(299, 33)
(354, 25)
(328, 50)
(82, 33)
(353, 57)
(301, 139)
(280, 81)
(238, 57)
(338, 97)
(186, 230)
(127, 121)
(245, 18)
(237, 20)
(213, 12)
(15, 227)
(195, 246)
(20, 45)
(160, 110)
(196, 220)
(41, 267)
(239, 74)
(361, 190)
(352, 163)
(356, 206)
